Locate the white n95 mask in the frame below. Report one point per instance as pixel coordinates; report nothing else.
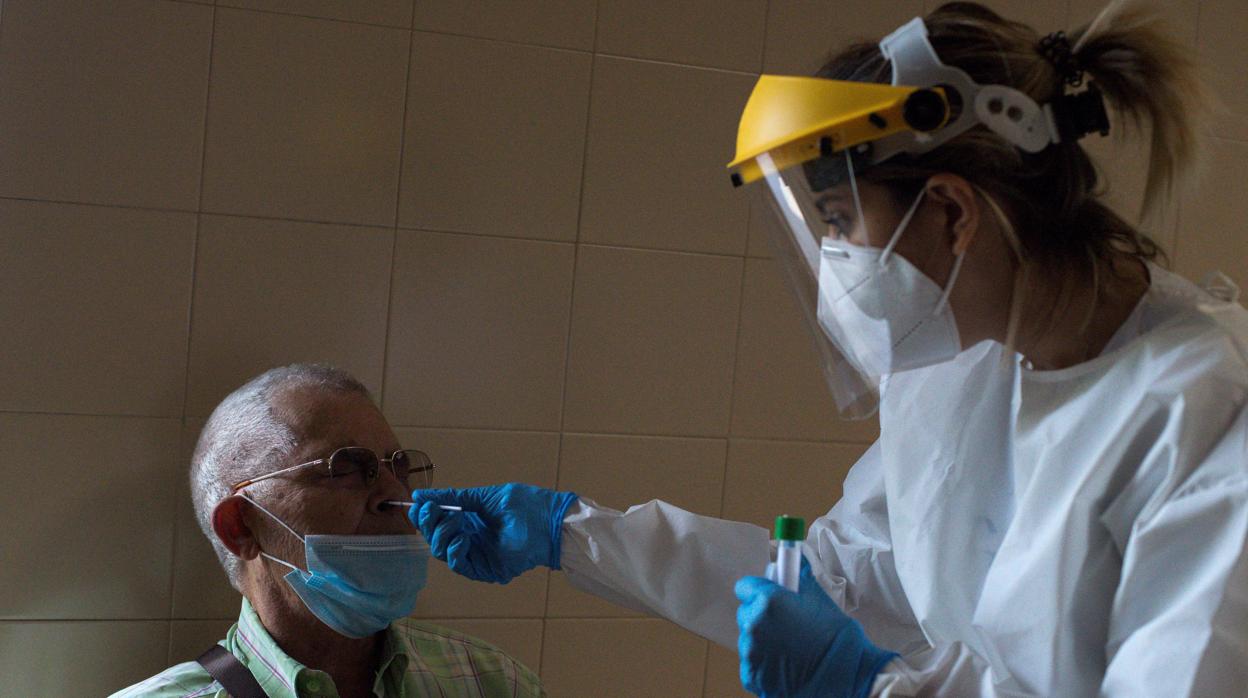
(883, 312)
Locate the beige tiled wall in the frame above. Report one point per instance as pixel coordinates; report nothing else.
(509, 219)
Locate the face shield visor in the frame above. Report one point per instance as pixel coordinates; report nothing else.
(869, 311)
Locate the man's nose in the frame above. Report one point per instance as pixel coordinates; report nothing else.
(387, 487)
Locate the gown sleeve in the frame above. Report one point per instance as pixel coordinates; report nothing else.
(659, 559)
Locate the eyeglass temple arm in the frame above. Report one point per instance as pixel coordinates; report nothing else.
(251, 481)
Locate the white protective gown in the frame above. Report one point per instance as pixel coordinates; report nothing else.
(1075, 532)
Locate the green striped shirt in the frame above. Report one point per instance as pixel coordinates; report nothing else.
(419, 659)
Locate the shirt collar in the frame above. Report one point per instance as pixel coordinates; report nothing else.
(282, 677)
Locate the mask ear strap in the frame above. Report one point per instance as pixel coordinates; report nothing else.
(279, 560)
(901, 227)
(953, 278)
(283, 523)
(853, 186)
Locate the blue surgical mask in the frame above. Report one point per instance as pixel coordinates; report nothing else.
(357, 585)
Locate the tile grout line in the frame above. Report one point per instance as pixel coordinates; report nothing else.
(398, 201)
(493, 430)
(567, 346)
(762, 59)
(337, 20)
(432, 231)
(413, 28)
(190, 318)
(732, 394)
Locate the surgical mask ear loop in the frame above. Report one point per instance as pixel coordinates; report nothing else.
(283, 523)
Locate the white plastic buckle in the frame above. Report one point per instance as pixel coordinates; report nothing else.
(1008, 112)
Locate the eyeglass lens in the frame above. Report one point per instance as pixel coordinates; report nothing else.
(357, 459)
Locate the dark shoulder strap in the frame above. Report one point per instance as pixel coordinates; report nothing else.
(230, 673)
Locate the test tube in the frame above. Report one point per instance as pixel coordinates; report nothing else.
(790, 532)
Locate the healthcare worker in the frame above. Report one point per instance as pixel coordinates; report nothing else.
(1058, 500)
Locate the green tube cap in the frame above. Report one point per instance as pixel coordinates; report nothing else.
(790, 528)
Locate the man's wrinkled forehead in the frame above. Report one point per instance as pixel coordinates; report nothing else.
(316, 416)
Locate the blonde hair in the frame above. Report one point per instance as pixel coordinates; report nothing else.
(1051, 203)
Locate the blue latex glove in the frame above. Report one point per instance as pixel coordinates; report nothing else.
(802, 644)
(503, 531)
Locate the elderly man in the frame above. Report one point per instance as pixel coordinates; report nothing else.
(290, 480)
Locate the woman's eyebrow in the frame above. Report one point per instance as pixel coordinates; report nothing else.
(836, 196)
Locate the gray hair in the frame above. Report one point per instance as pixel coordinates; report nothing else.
(245, 437)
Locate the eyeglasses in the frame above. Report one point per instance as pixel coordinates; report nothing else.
(408, 465)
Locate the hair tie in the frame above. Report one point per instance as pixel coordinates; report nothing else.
(1056, 50)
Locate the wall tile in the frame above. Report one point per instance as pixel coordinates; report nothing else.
(127, 129)
(770, 478)
(200, 586)
(95, 304)
(710, 33)
(659, 139)
(1212, 219)
(394, 13)
(304, 118)
(723, 675)
(522, 639)
(495, 138)
(1223, 52)
(136, 651)
(561, 23)
(95, 542)
(758, 246)
(621, 657)
(448, 595)
(621, 471)
(468, 458)
(191, 638)
(802, 34)
(780, 391)
(652, 342)
(270, 293)
(478, 331)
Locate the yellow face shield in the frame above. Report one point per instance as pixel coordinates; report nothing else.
(803, 137)
(795, 120)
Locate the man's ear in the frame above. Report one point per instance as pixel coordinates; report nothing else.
(961, 206)
(231, 528)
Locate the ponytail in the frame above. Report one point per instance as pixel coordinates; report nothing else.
(1151, 82)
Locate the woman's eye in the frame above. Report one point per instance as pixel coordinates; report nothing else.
(838, 225)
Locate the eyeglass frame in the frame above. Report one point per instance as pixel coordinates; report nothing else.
(380, 461)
